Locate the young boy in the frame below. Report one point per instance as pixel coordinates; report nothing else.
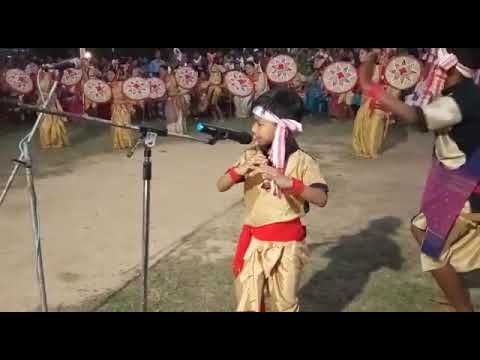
(448, 228)
(280, 180)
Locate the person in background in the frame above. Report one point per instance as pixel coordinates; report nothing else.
(200, 95)
(156, 63)
(53, 133)
(198, 61)
(121, 112)
(229, 62)
(215, 89)
(371, 123)
(175, 106)
(313, 92)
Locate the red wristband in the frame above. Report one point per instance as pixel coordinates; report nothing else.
(375, 91)
(297, 188)
(236, 178)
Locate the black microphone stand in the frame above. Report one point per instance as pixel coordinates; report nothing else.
(148, 137)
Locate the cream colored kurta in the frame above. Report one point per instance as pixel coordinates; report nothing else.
(272, 270)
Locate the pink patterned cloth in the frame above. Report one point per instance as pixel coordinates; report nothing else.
(435, 81)
(445, 194)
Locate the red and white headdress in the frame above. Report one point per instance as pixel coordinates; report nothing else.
(277, 152)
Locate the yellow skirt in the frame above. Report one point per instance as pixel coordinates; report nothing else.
(368, 131)
(122, 138)
(214, 94)
(53, 133)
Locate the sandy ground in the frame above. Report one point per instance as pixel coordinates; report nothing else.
(362, 256)
(90, 211)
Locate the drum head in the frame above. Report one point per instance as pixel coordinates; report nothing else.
(281, 69)
(97, 91)
(340, 77)
(71, 77)
(19, 81)
(238, 83)
(186, 77)
(136, 89)
(403, 72)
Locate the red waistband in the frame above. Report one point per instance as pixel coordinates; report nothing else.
(292, 230)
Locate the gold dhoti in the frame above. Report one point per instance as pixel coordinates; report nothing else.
(121, 115)
(368, 131)
(462, 249)
(273, 269)
(53, 133)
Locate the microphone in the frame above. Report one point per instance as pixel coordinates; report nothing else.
(219, 133)
(66, 64)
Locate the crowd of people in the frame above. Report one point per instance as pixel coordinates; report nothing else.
(210, 96)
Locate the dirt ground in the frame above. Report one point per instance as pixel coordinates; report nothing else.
(362, 255)
(90, 202)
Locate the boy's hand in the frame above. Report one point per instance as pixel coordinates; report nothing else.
(270, 173)
(251, 164)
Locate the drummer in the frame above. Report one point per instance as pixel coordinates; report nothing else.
(243, 105)
(53, 133)
(371, 122)
(258, 78)
(89, 72)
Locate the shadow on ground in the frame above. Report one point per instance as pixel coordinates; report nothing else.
(352, 261)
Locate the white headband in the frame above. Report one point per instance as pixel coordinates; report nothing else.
(278, 148)
(277, 153)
